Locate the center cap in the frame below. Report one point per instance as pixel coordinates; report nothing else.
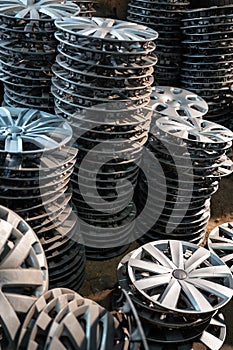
(180, 274)
(14, 130)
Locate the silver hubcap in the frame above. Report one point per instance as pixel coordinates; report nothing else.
(180, 276)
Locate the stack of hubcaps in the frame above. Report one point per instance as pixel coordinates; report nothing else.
(28, 49)
(164, 17)
(208, 58)
(220, 241)
(102, 85)
(177, 289)
(62, 319)
(36, 162)
(102, 60)
(23, 271)
(192, 155)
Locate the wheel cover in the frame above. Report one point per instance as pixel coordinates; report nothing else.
(180, 276)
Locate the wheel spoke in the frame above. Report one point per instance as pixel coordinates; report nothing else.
(24, 277)
(20, 252)
(159, 256)
(75, 330)
(200, 137)
(8, 316)
(93, 318)
(46, 130)
(182, 134)
(171, 295)
(217, 323)
(40, 122)
(24, 119)
(13, 145)
(216, 271)
(198, 257)
(148, 266)
(23, 13)
(57, 345)
(196, 298)
(222, 245)
(226, 232)
(88, 31)
(228, 258)
(152, 282)
(5, 117)
(213, 288)
(212, 342)
(13, 220)
(5, 232)
(20, 303)
(34, 14)
(177, 253)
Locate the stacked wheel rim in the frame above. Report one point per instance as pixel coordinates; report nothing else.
(220, 241)
(36, 162)
(91, 46)
(51, 322)
(27, 49)
(101, 85)
(192, 155)
(175, 288)
(165, 18)
(207, 65)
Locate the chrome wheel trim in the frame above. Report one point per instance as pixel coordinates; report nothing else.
(106, 29)
(177, 102)
(38, 10)
(43, 131)
(194, 130)
(173, 274)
